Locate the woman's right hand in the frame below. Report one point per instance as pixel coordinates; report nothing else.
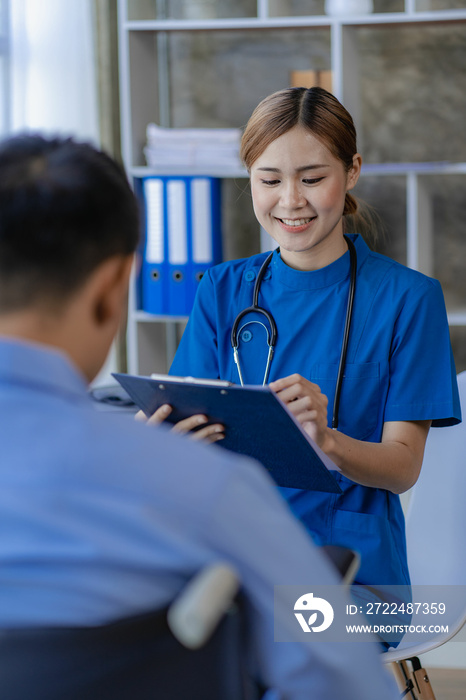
(187, 426)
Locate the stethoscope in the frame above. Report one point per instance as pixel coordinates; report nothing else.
(272, 334)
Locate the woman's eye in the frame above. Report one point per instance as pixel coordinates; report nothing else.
(312, 181)
(270, 182)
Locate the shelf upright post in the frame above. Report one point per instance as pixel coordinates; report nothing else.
(163, 73)
(412, 243)
(419, 226)
(410, 7)
(126, 150)
(125, 97)
(163, 70)
(131, 326)
(262, 9)
(345, 70)
(336, 58)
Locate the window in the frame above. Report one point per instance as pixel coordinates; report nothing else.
(4, 69)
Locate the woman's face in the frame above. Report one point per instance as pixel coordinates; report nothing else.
(298, 191)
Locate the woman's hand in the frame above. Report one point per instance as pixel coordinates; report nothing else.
(209, 434)
(307, 403)
(392, 464)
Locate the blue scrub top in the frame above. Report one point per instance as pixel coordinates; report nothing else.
(399, 367)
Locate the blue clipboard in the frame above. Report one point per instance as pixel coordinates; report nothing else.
(257, 424)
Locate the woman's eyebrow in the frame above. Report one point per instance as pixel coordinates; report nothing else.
(316, 166)
(301, 169)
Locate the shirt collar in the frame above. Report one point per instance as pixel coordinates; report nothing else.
(41, 366)
(317, 279)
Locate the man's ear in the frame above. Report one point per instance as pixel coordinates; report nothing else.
(111, 281)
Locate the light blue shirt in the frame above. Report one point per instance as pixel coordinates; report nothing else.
(101, 517)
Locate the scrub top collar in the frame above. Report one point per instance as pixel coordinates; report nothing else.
(318, 279)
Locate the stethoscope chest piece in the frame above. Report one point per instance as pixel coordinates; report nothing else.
(245, 333)
(237, 330)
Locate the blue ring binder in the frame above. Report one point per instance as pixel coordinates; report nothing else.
(182, 239)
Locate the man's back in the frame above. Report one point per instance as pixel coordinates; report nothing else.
(102, 518)
(96, 505)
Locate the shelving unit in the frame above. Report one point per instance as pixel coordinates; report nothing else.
(182, 70)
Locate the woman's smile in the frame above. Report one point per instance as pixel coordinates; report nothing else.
(296, 225)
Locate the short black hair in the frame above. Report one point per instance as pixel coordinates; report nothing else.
(65, 207)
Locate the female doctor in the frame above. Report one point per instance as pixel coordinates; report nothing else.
(318, 288)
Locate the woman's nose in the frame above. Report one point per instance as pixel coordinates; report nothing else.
(292, 197)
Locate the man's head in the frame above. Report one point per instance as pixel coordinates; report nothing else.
(64, 208)
(68, 225)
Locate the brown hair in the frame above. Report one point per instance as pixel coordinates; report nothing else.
(316, 110)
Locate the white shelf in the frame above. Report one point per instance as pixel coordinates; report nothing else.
(324, 21)
(213, 171)
(416, 168)
(144, 317)
(145, 92)
(422, 168)
(457, 318)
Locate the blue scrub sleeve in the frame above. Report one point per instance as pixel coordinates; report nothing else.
(197, 353)
(422, 371)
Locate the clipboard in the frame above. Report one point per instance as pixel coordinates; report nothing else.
(257, 424)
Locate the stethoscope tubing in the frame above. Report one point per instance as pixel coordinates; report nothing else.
(346, 332)
(272, 337)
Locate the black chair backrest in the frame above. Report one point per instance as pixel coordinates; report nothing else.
(137, 658)
(134, 659)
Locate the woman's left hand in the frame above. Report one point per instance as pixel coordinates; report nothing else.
(307, 403)
(391, 464)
